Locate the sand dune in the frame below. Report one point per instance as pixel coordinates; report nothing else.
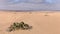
(42, 24)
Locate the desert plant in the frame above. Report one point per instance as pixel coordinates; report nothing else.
(46, 14)
(17, 26)
(25, 26)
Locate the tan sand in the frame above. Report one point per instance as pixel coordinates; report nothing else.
(41, 23)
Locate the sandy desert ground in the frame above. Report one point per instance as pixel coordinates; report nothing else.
(42, 22)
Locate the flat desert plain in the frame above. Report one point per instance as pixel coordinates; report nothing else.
(41, 22)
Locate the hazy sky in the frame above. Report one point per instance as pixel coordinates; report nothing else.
(29, 1)
(30, 4)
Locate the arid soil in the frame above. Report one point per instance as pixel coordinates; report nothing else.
(41, 22)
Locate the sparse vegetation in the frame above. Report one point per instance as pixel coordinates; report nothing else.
(46, 14)
(17, 26)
